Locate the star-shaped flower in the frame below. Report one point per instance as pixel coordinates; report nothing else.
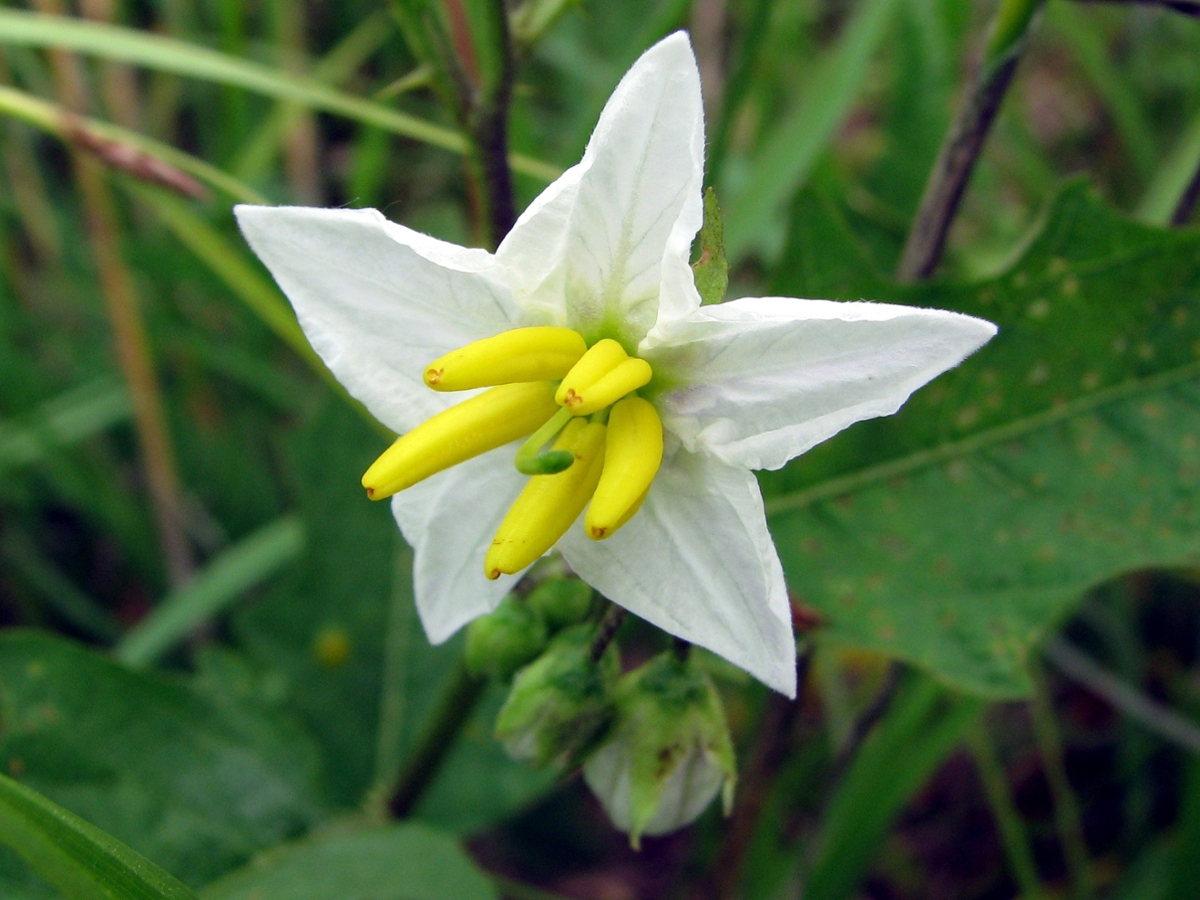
(601, 257)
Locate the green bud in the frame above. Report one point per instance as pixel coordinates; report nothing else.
(500, 643)
(561, 601)
(668, 752)
(560, 703)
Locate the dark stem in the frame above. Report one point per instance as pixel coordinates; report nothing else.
(461, 693)
(952, 170)
(489, 127)
(864, 725)
(1187, 7)
(1187, 201)
(681, 648)
(776, 736)
(610, 624)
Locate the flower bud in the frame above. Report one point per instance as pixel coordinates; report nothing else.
(561, 601)
(560, 703)
(668, 752)
(500, 643)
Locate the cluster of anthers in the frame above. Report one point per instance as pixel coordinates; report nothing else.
(543, 382)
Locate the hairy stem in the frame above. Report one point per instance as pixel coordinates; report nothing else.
(964, 141)
(457, 703)
(610, 624)
(489, 127)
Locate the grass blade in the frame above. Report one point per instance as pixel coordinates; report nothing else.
(165, 54)
(792, 149)
(214, 589)
(82, 861)
(70, 417)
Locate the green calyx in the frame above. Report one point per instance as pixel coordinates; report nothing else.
(561, 703)
(499, 643)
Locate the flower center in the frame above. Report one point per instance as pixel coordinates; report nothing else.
(545, 382)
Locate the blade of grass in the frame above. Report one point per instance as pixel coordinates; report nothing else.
(78, 414)
(215, 588)
(79, 859)
(182, 58)
(1172, 180)
(1087, 44)
(1013, 833)
(923, 726)
(21, 554)
(334, 69)
(793, 147)
(51, 118)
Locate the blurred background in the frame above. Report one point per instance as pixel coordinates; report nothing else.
(179, 477)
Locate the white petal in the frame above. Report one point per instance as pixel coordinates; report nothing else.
(698, 562)
(450, 520)
(379, 301)
(763, 379)
(613, 235)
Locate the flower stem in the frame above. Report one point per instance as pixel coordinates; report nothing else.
(965, 139)
(489, 130)
(458, 700)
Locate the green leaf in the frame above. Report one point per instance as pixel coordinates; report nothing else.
(70, 417)
(76, 857)
(924, 726)
(195, 786)
(402, 862)
(793, 146)
(711, 269)
(221, 583)
(168, 55)
(955, 533)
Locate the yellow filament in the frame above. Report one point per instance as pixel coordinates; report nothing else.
(541, 353)
(601, 358)
(474, 426)
(633, 452)
(549, 504)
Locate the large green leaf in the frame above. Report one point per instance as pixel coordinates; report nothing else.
(195, 786)
(955, 533)
(402, 862)
(76, 856)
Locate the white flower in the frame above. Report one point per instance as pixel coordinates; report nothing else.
(738, 386)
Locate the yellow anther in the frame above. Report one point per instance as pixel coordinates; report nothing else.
(601, 358)
(633, 452)
(604, 375)
(474, 426)
(541, 353)
(549, 504)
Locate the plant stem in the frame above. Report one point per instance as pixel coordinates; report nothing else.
(129, 333)
(489, 129)
(1066, 806)
(1187, 201)
(864, 724)
(964, 141)
(610, 624)
(776, 734)
(458, 700)
(1013, 833)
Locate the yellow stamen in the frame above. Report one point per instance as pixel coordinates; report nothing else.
(604, 375)
(549, 504)
(541, 353)
(484, 422)
(601, 358)
(633, 452)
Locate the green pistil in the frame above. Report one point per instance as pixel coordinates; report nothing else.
(533, 460)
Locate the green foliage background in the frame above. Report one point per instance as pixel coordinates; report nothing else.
(245, 733)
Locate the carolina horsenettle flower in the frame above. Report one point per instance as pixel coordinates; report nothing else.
(583, 336)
